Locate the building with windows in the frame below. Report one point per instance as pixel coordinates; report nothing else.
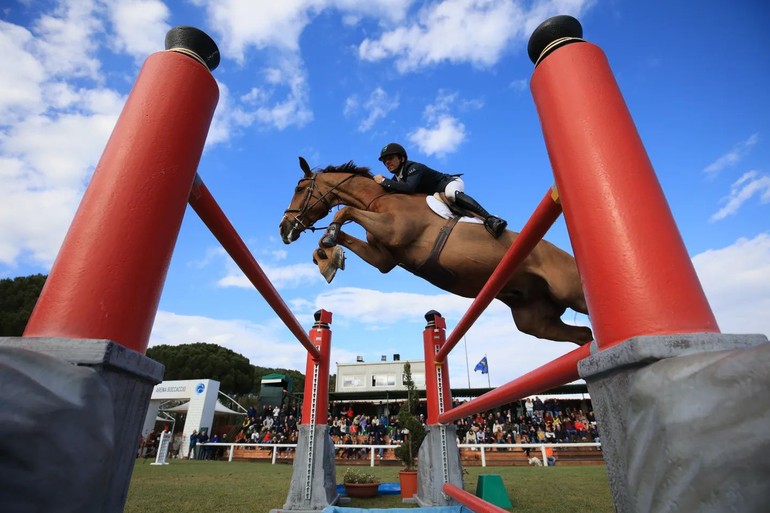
(379, 376)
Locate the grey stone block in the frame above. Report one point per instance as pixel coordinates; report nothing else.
(433, 472)
(681, 420)
(92, 396)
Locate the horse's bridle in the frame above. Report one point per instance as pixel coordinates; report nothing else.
(302, 211)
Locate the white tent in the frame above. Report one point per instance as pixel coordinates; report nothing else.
(219, 409)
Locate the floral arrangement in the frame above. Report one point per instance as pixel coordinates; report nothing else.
(356, 476)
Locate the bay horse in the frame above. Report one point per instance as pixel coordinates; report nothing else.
(401, 230)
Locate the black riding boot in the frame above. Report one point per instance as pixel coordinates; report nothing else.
(493, 224)
(329, 240)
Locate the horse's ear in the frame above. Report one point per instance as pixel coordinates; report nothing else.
(305, 167)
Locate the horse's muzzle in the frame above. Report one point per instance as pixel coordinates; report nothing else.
(288, 231)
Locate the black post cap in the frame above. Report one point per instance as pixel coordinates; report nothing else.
(195, 41)
(551, 30)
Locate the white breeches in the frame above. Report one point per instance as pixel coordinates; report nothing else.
(452, 188)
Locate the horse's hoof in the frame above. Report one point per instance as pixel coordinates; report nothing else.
(338, 257)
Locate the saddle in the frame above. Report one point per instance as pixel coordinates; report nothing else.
(446, 210)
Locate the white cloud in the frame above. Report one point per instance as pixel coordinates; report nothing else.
(373, 307)
(376, 107)
(20, 77)
(53, 91)
(732, 157)
(265, 344)
(478, 32)
(140, 26)
(246, 23)
(50, 168)
(443, 137)
(294, 109)
(444, 133)
(387, 11)
(746, 187)
(735, 281)
(65, 39)
(285, 277)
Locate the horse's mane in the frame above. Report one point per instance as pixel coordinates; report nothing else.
(348, 167)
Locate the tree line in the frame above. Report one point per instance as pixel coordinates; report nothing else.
(237, 376)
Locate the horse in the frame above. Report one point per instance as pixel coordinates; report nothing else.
(401, 230)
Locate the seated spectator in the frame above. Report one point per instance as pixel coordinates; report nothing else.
(580, 429)
(267, 424)
(569, 428)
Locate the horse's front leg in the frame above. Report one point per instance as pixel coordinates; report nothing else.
(372, 253)
(379, 225)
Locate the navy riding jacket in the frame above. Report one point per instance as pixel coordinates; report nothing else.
(415, 177)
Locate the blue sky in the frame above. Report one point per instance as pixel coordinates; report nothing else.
(336, 80)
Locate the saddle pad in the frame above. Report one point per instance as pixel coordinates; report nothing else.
(442, 210)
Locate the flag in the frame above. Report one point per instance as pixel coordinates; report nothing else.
(482, 366)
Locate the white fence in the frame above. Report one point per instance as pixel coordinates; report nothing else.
(483, 448)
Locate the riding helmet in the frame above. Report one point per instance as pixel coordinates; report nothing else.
(392, 149)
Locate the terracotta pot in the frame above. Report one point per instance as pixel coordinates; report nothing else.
(361, 490)
(408, 481)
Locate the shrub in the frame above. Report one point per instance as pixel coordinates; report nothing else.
(356, 476)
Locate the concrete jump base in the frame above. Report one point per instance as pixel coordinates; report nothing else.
(431, 477)
(71, 413)
(321, 490)
(682, 421)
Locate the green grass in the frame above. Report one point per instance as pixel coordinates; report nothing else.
(223, 487)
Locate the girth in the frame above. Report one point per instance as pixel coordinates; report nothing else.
(430, 269)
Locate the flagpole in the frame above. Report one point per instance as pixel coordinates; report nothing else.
(489, 381)
(467, 368)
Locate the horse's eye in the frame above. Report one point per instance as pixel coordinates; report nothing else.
(298, 189)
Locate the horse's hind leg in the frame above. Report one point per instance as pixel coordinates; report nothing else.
(541, 318)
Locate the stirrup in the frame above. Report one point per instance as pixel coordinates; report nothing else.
(495, 226)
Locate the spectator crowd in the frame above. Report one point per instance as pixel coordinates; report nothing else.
(531, 421)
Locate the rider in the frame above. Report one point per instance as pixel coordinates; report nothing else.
(411, 177)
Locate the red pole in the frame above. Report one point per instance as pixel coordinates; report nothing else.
(467, 499)
(108, 276)
(437, 390)
(211, 214)
(546, 213)
(315, 405)
(554, 373)
(636, 273)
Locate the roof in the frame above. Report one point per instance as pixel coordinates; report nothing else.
(393, 395)
(219, 409)
(274, 378)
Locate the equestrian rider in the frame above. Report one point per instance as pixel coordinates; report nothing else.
(410, 177)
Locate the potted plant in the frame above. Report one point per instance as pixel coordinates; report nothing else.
(360, 484)
(413, 434)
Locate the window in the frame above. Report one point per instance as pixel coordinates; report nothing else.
(417, 377)
(352, 381)
(383, 380)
